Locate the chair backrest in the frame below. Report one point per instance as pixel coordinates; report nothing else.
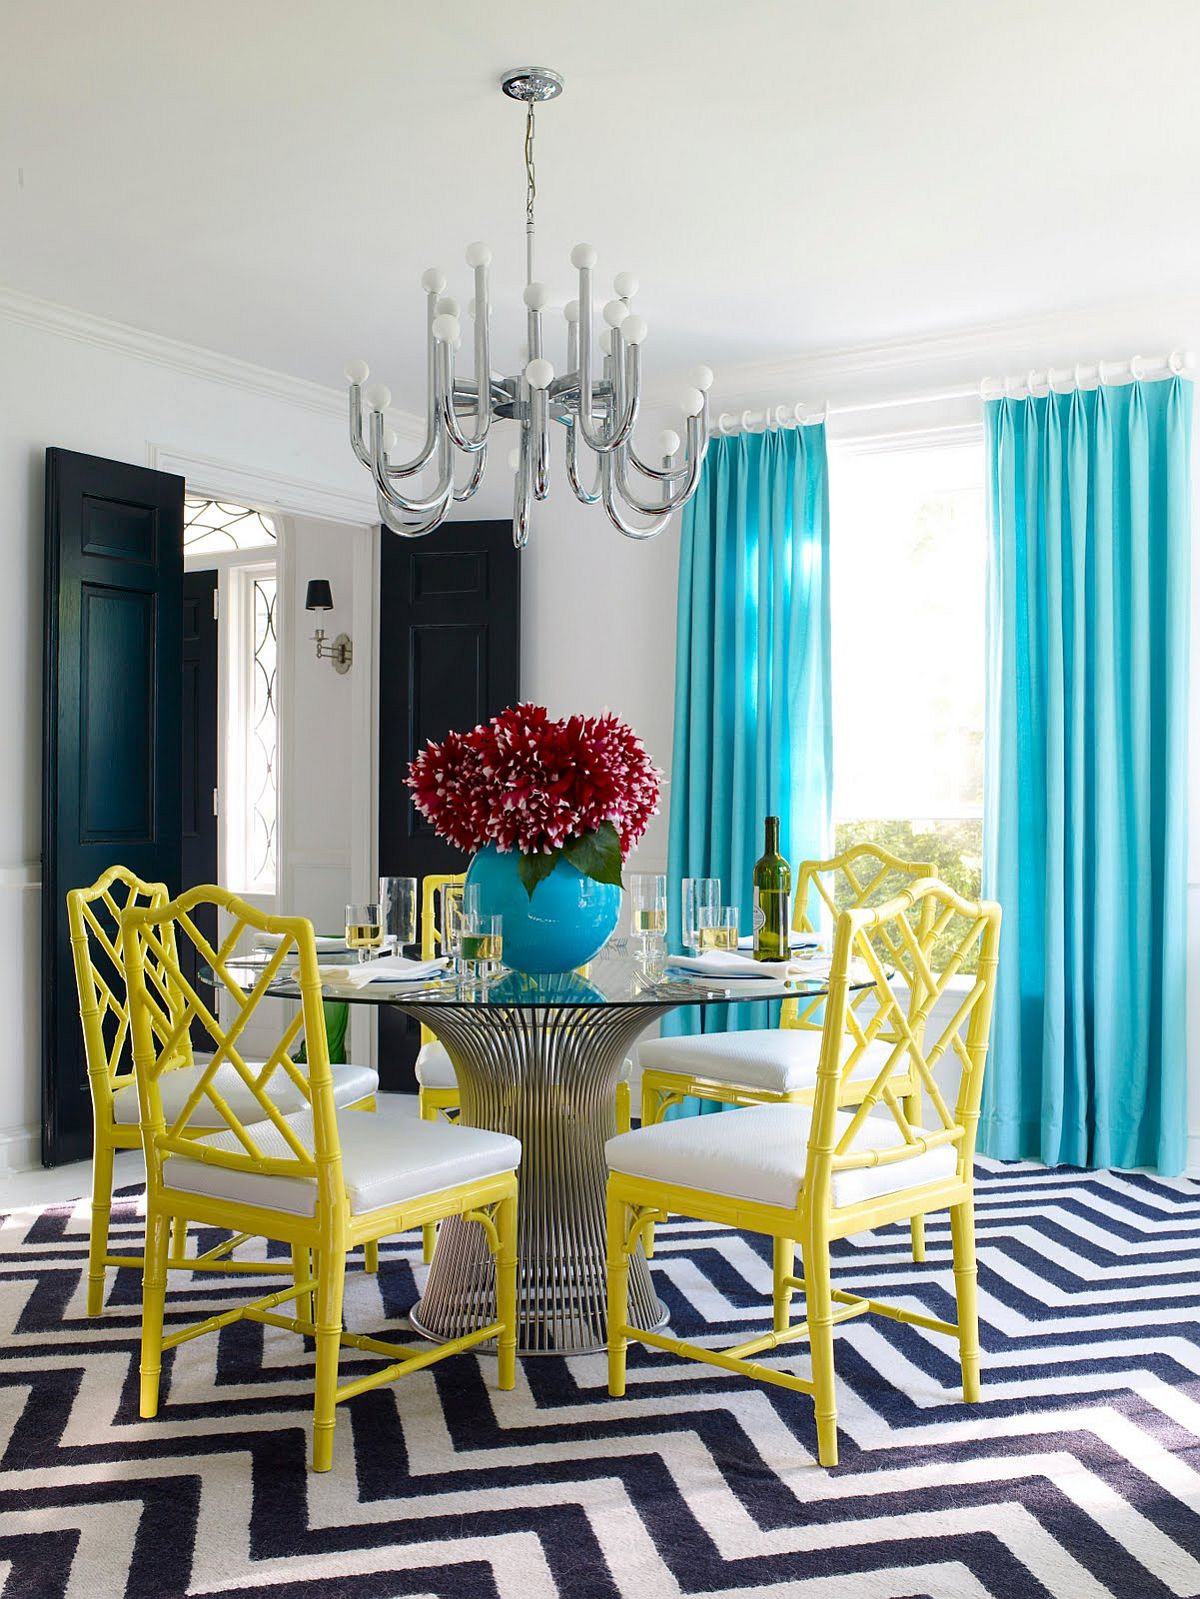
(865, 874)
(433, 919)
(940, 933)
(94, 918)
(163, 1005)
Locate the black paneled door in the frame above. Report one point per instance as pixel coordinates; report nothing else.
(200, 759)
(449, 657)
(113, 687)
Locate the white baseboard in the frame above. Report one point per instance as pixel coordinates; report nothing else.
(20, 1149)
(1192, 1169)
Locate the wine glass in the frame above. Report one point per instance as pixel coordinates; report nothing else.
(398, 902)
(699, 894)
(481, 945)
(364, 929)
(718, 928)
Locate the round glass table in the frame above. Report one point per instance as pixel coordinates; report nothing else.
(539, 1058)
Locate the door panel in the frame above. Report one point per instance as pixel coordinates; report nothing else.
(111, 751)
(449, 657)
(200, 757)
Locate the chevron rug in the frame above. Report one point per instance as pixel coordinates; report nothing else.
(1078, 1476)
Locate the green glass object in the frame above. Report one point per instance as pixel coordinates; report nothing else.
(337, 1020)
(772, 900)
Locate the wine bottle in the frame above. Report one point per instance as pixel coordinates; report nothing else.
(772, 900)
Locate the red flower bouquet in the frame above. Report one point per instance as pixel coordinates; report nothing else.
(582, 788)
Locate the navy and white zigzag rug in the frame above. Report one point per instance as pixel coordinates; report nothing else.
(1077, 1476)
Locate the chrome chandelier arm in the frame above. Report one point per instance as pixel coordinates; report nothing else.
(447, 419)
(678, 494)
(409, 505)
(584, 496)
(601, 440)
(522, 493)
(406, 529)
(616, 516)
(469, 488)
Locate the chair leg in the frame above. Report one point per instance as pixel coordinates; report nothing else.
(624, 1107)
(783, 1266)
(914, 1110)
(371, 1255)
(178, 1247)
(428, 1113)
(962, 1233)
(818, 1288)
(102, 1181)
(331, 1279)
(302, 1265)
(506, 1293)
(618, 1296)
(154, 1293)
(650, 1115)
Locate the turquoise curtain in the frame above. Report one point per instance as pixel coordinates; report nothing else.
(753, 706)
(1086, 786)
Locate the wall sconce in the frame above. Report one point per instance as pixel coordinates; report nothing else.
(341, 652)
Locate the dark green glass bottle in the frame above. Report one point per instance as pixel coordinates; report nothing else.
(772, 900)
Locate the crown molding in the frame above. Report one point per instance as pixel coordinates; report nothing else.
(249, 485)
(192, 359)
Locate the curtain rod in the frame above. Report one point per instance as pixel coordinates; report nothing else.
(1038, 381)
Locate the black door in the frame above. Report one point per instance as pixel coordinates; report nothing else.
(111, 752)
(449, 657)
(199, 741)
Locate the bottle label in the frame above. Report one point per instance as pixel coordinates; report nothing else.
(760, 915)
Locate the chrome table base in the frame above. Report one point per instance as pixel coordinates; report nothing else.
(548, 1076)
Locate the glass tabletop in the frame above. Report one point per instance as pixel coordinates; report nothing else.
(612, 979)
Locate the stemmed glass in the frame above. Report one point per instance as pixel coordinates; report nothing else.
(364, 929)
(648, 922)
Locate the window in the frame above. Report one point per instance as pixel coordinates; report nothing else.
(908, 556)
(242, 544)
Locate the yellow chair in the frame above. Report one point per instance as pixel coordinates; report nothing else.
(321, 1184)
(94, 918)
(815, 1173)
(769, 1065)
(437, 1085)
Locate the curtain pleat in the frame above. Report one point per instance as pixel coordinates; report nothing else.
(753, 702)
(1085, 820)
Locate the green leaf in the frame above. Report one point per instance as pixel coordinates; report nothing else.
(597, 854)
(532, 868)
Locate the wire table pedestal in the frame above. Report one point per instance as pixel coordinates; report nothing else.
(548, 1076)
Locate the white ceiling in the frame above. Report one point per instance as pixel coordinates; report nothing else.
(269, 179)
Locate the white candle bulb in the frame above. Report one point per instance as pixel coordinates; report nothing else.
(571, 310)
(445, 328)
(702, 377)
(357, 371)
(692, 402)
(625, 284)
(536, 296)
(390, 440)
(583, 255)
(615, 313)
(667, 442)
(479, 254)
(447, 306)
(539, 374)
(378, 397)
(634, 329)
(433, 280)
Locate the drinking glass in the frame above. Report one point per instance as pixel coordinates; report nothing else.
(458, 899)
(398, 901)
(647, 903)
(364, 929)
(481, 945)
(718, 927)
(699, 894)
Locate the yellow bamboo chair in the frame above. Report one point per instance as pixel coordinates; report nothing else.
(437, 1085)
(322, 1185)
(94, 919)
(772, 1066)
(815, 1173)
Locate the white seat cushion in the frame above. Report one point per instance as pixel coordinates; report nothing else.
(759, 1153)
(434, 1069)
(384, 1162)
(776, 1060)
(350, 1084)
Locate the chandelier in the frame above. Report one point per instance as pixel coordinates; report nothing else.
(598, 409)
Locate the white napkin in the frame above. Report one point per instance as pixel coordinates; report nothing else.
(725, 963)
(384, 969)
(324, 941)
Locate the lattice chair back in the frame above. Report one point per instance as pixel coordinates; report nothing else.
(304, 1144)
(939, 934)
(94, 919)
(865, 874)
(434, 920)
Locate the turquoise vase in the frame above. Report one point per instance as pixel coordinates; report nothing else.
(568, 919)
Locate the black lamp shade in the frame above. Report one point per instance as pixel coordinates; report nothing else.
(319, 596)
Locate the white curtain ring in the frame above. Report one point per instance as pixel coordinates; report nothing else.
(723, 424)
(1175, 361)
(1135, 368)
